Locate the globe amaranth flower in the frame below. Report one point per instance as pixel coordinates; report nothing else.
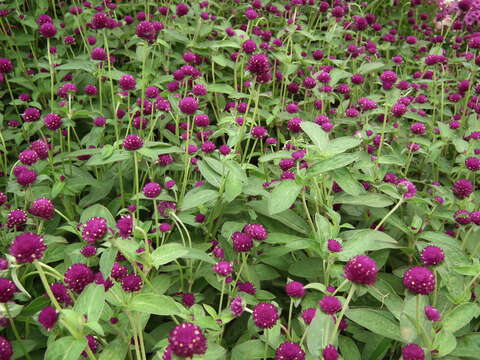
(125, 226)
(127, 82)
(223, 268)
(94, 229)
(188, 299)
(246, 287)
(31, 114)
(47, 30)
(432, 313)
(334, 246)
(48, 318)
(6, 349)
(295, 289)
(188, 105)
(265, 315)
(407, 188)
(132, 142)
(146, 31)
(132, 283)
(78, 276)
(432, 255)
(61, 294)
(152, 190)
(42, 208)
(237, 306)
(308, 315)
(28, 247)
(289, 351)
(259, 132)
(16, 219)
(330, 305)
(28, 157)
(7, 290)
(462, 188)
(419, 280)
(242, 242)
(186, 340)
(472, 163)
(412, 352)
(256, 231)
(52, 121)
(361, 269)
(330, 352)
(118, 271)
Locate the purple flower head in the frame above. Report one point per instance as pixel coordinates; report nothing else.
(42, 208)
(28, 247)
(187, 340)
(259, 132)
(334, 246)
(188, 105)
(132, 142)
(407, 188)
(98, 54)
(52, 121)
(330, 305)
(125, 226)
(361, 269)
(308, 315)
(31, 114)
(88, 251)
(294, 125)
(94, 229)
(223, 268)
(146, 31)
(419, 280)
(60, 293)
(295, 289)
(48, 318)
(7, 290)
(413, 352)
(475, 217)
(246, 287)
(462, 188)
(330, 353)
(265, 315)
(16, 219)
(432, 255)
(78, 276)
(242, 242)
(6, 349)
(25, 176)
(165, 207)
(432, 313)
(118, 271)
(41, 148)
(289, 351)
(256, 231)
(472, 163)
(152, 190)
(28, 157)
(132, 283)
(47, 30)
(237, 306)
(127, 82)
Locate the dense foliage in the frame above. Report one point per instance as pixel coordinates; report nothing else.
(239, 180)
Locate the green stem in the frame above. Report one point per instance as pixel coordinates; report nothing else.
(15, 331)
(389, 214)
(340, 316)
(47, 286)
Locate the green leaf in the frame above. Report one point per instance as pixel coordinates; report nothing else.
(197, 197)
(221, 88)
(155, 304)
(283, 196)
(85, 65)
(347, 182)
(98, 210)
(460, 316)
(385, 293)
(366, 68)
(348, 348)
(378, 322)
(167, 253)
(319, 332)
(360, 241)
(116, 349)
(106, 261)
(445, 343)
(233, 186)
(316, 134)
(207, 172)
(372, 200)
(253, 349)
(467, 346)
(66, 348)
(288, 217)
(336, 75)
(341, 144)
(91, 302)
(335, 162)
(117, 155)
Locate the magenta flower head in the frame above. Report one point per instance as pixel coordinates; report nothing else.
(48, 318)
(413, 352)
(41, 148)
(419, 280)
(259, 132)
(42, 208)
(308, 315)
(125, 226)
(94, 229)
(28, 157)
(237, 306)
(289, 351)
(259, 66)
(6, 349)
(127, 82)
(265, 315)
(98, 54)
(295, 289)
(330, 305)
(60, 293)
(182, 9)
(132, 283)
(52, 121)
(6, 65)
(188, 105)
(432, 313)
(334, 246)
(28, 247)
(152, 190)
(7, 290)
(31, 114)
(242, 242)
(47, 30)
(187, 340)
(132, 142)
(472, 163)
(432, 255)
(361, 269)
(78, 276)
(462, 188)
(330, 353)
(407, 188)
(256, 231)
(145, 30)
(223, 268)
(16, 219)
